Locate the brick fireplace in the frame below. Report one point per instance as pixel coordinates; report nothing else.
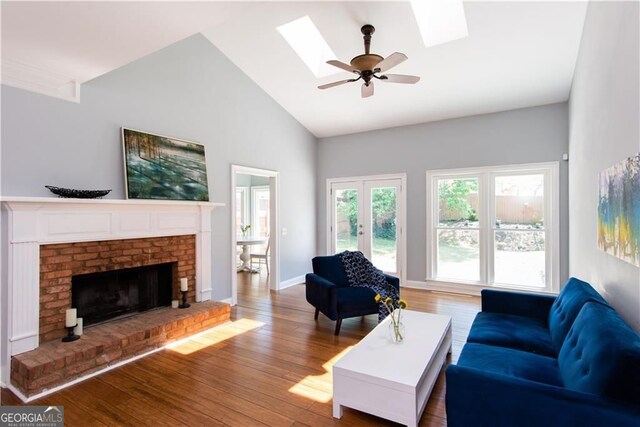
(46, 242)
(59, 263)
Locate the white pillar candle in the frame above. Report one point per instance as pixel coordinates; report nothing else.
(175, 303)
(71, 317)
(184, 286)
(79, 328)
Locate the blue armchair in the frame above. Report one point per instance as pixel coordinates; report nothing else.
(328, 290)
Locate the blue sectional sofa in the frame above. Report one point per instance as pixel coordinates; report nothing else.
(538, 360)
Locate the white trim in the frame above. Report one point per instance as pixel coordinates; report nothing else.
(274, 200)
(227, 301)
(39, 80)
(298, 280)
(401, 214)
(486, 176)
(107, 368)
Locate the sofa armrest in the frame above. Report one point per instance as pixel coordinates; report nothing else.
(517, 303)
(477, 397)
(322, 294)
(393, 281)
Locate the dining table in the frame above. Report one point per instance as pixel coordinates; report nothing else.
(246, 242)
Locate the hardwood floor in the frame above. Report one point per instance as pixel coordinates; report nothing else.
(270, 366)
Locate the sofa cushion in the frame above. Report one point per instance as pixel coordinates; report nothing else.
(511, 362)
(508, 330)
(566, 307)
(601, 355)
(330, 267)
(356, 301)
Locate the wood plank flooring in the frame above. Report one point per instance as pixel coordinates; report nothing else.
(270, 366)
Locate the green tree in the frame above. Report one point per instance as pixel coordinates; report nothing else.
(454, 194)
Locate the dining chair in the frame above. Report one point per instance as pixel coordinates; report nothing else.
(262, 257)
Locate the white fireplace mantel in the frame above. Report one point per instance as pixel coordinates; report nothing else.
(33, 221)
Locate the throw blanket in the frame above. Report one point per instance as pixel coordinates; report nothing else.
(361, 272)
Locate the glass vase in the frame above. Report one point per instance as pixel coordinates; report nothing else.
(396, 331)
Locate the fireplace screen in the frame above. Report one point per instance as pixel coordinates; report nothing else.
(113, 294)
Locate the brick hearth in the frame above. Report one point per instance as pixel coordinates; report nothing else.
(60, 262)
(55, 362)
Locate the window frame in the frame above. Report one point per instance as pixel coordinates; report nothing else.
(486, 216)
(246, 211)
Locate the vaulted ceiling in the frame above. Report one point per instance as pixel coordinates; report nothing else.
(517, 54)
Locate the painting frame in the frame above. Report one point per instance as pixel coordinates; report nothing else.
(161, 167)
(618, 217)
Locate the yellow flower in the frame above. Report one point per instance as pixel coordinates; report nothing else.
(378, 298)
(402, 303)
(388, 300)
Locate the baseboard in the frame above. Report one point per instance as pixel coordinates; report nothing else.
(291, 282)
(227, 301)
(26, 399)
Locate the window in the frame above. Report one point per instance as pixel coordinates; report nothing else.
(260, 208)
(242, 208)
(494, 226)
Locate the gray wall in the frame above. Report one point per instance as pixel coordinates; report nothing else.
(521, 136)
(189, 90)
(603, 113)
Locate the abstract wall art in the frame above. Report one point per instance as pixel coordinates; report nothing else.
(161, 167)
(619, 210)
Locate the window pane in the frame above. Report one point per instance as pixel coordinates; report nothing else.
(346, 220)
(519, 258)
(458, 254)
(458, 202)
(261, 212)
(520, 202)
(383, 228)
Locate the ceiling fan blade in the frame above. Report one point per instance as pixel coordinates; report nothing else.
(341, 82)
(367, 90)
(400, 78)
(390, 61)
(342, 66)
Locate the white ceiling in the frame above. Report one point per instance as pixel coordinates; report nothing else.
(518, 54)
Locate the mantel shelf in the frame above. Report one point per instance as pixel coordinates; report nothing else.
(132, 202)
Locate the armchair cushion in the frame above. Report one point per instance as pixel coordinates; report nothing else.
(356, 301)
(517, 332)
(330, 267)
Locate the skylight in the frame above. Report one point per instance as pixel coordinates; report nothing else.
(440, 21)
(305, 39)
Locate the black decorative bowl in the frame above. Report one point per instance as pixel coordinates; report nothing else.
(77, 194)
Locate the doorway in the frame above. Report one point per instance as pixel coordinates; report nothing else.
(368, 214)
(254, 221)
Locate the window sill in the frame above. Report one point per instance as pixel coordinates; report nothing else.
(469, 288)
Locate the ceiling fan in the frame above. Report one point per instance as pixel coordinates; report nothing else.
(369, 66)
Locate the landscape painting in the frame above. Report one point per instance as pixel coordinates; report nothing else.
(619, 210)
(161, 167)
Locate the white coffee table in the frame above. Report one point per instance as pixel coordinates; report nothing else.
(393, 380)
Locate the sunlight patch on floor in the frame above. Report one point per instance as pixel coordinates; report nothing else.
(214, 336)
(319, 387)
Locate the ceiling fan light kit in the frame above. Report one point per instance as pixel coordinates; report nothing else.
(368, 66)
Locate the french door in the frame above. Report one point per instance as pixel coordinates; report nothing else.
(368, 215)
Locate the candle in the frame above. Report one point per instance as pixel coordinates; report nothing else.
(78, 330)
(184, 286)
(175, 303)
(71, 318)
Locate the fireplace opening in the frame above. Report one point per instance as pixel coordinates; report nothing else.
(113, 294)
